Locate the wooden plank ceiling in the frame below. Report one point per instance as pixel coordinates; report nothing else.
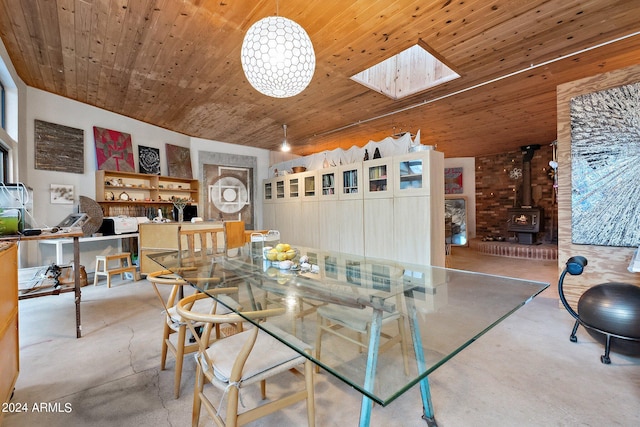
(176, 64)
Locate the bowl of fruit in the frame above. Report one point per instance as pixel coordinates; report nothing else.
(281, 253)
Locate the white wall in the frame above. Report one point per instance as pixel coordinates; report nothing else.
(468, 165)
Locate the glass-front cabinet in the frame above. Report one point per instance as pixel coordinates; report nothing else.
(268, 191)
(411, 173)
(294, 187)
(309, 183)
(350, 177)
(378, 178)
(328, 189)
(280, 188)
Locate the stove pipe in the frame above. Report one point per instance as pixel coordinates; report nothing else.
(527, 155)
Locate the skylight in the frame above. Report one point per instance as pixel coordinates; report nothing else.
(411, 71)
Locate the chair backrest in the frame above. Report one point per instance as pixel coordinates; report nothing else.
(166, 277)
(195, 243)
(233, 235)
(210, 320)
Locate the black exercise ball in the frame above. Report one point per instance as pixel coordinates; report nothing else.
(614, 308)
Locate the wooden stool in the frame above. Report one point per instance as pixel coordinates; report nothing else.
(125, 266)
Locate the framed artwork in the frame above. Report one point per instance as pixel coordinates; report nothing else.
(453, 181)
(114, 150)
(179, 161)
(58, 148)
(605, 152)
(149, 160)
(61, 194)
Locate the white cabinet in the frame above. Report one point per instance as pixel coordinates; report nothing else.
(328, 225)
(350, 182)
(412, 173)
(378, 227)
(378, 177)
(310, 185)
(328, 184)
(351, 226)
(389, 208)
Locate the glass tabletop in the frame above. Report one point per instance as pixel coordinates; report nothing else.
(425, 315)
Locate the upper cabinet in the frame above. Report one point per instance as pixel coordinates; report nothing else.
(328, 183)
(310, 185)
(378, 178)
(280, 188)
(350, 181)
(268, 193)
(412, 173)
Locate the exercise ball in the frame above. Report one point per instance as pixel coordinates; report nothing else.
(613, 308)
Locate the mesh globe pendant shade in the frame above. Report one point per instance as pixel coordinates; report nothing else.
(277, 57)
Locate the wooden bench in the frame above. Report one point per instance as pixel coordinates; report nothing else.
(124, 266)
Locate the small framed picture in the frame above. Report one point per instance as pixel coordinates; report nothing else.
(62, 194)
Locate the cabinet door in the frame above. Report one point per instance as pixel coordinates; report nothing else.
(378, 228)
(268, 194)
(280, 188)
(418, 173)
(309, 230)
(350, 181)
(378, 178)
(328, 184)
(418, 231)
(328, 225)
(310, 186)
(351, 226)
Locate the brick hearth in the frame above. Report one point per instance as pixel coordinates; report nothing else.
(544, 251)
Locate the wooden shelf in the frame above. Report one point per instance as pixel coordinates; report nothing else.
(115, 191)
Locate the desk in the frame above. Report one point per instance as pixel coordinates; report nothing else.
(58, 242)
(74, 235)
(446, 311)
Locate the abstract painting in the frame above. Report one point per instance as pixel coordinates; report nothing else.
(149, 160)
(605, 153)
(453, 181)
(114, 151)
(179, 161)
(59, 148)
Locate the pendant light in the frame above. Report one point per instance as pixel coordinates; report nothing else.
(285, 144)
(277, 57)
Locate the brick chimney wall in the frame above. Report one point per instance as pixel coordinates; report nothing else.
(496, 192)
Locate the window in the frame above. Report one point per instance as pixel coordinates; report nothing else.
(4, 163)
(3, 115)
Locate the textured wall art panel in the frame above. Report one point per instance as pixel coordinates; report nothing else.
(605, 154)
(58, 148)
(179, 161)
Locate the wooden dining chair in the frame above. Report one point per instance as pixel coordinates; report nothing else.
(197, 245)
(333, 319)
(238, 361)
(174, 324)
(234, 237)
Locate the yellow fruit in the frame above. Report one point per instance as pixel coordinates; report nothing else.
(280, 247)
(286, 247)
(281, 256)
(272, 255)
(291, 254)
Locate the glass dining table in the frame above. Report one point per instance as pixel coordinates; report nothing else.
(445, 310)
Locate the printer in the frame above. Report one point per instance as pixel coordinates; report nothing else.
(118, 225)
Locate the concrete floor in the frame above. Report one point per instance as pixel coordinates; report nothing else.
(524, 372)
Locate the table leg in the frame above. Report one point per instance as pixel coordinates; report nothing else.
(425, 391)
(372, 361)
(76, 271)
